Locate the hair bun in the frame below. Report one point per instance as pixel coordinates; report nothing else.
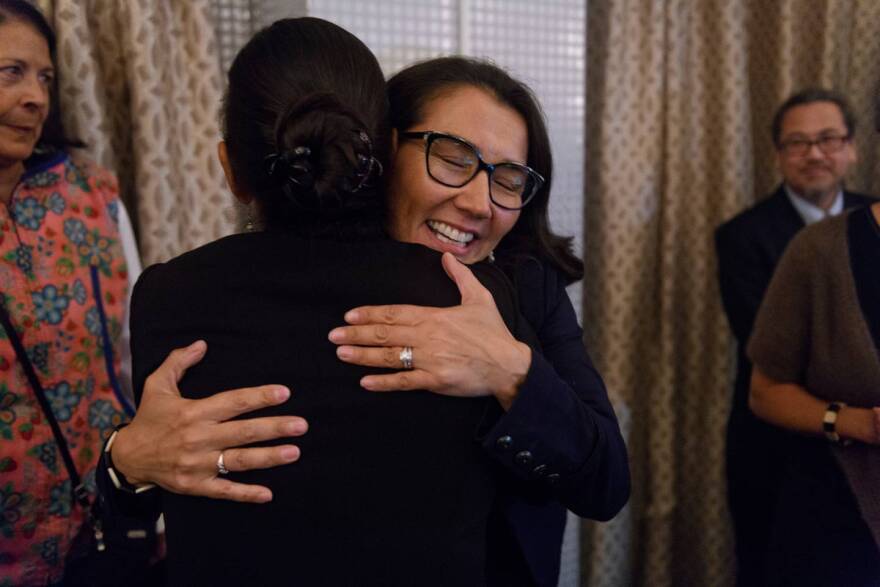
(324, 155)
(292, 166)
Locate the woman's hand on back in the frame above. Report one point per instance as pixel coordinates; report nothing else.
(465, 350)
(176, 442)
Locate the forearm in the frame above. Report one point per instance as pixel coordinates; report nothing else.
(791, 406)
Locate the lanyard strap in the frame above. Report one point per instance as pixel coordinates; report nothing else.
(80, 493)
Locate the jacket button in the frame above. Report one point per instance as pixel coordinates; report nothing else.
(523, 458)
(540, 470)
(504, 443)
(553, 478)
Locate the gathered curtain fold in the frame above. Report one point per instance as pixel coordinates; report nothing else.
(141, 85)
(680, 95)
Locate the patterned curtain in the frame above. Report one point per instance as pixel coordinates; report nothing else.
(141, 84)
(680, 96)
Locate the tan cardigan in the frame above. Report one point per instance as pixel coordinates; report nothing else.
(810, 331)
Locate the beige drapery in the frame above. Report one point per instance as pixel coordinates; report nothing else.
(141, 84)
(680, 96)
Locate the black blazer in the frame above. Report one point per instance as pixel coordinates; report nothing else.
(559, 446)
(392, 488)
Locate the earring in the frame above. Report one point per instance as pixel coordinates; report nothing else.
(249, 224)
(491, 257)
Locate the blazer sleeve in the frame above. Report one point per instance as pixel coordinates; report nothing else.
(742, 278)
(561, 430)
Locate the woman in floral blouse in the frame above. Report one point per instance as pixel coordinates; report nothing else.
(67, 258)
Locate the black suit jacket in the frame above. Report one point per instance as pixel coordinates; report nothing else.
(391, 488)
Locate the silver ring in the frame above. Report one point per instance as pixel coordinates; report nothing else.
(221, 467)
(406, 357)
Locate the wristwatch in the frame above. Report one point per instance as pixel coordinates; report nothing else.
(829, 423)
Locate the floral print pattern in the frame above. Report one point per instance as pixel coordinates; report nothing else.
(50, 305)
(28, 213)
(48, 550)
(95, 250)
(56, 203)
(104, 416)
(47, 453)
(60, 499)
(62, 400)
(23, 257)
(39, 356)
(79, 292)
(58, 229)
(7, 411)
(10, 509)
(93, 321)
(42, 179)
(75, 230)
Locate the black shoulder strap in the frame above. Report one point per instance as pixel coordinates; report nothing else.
(79, 491)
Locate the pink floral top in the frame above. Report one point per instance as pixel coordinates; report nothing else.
(64, 282)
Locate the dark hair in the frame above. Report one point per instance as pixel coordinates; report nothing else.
(811, 96)
(410, 91)
(305, 125)
(52, 137)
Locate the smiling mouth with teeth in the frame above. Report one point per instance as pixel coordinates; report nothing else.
(448, 234)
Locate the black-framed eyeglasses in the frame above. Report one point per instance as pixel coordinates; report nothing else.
(828, 144)
(454, 162)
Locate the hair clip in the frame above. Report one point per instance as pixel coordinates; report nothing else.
(366, 163)
(365, 170)
(293, 166)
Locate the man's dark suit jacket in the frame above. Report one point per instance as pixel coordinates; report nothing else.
(749, 246)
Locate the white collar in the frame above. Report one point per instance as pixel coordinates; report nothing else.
(810, 212)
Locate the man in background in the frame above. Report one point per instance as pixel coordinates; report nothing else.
(813, 133)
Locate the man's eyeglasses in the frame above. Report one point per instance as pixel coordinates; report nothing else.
(453, 162)
(828, 144)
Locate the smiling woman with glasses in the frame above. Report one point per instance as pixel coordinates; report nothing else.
(471, 175)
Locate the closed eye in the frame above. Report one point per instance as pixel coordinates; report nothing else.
(458, 162)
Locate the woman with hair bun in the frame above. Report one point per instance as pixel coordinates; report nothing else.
(391, 489)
